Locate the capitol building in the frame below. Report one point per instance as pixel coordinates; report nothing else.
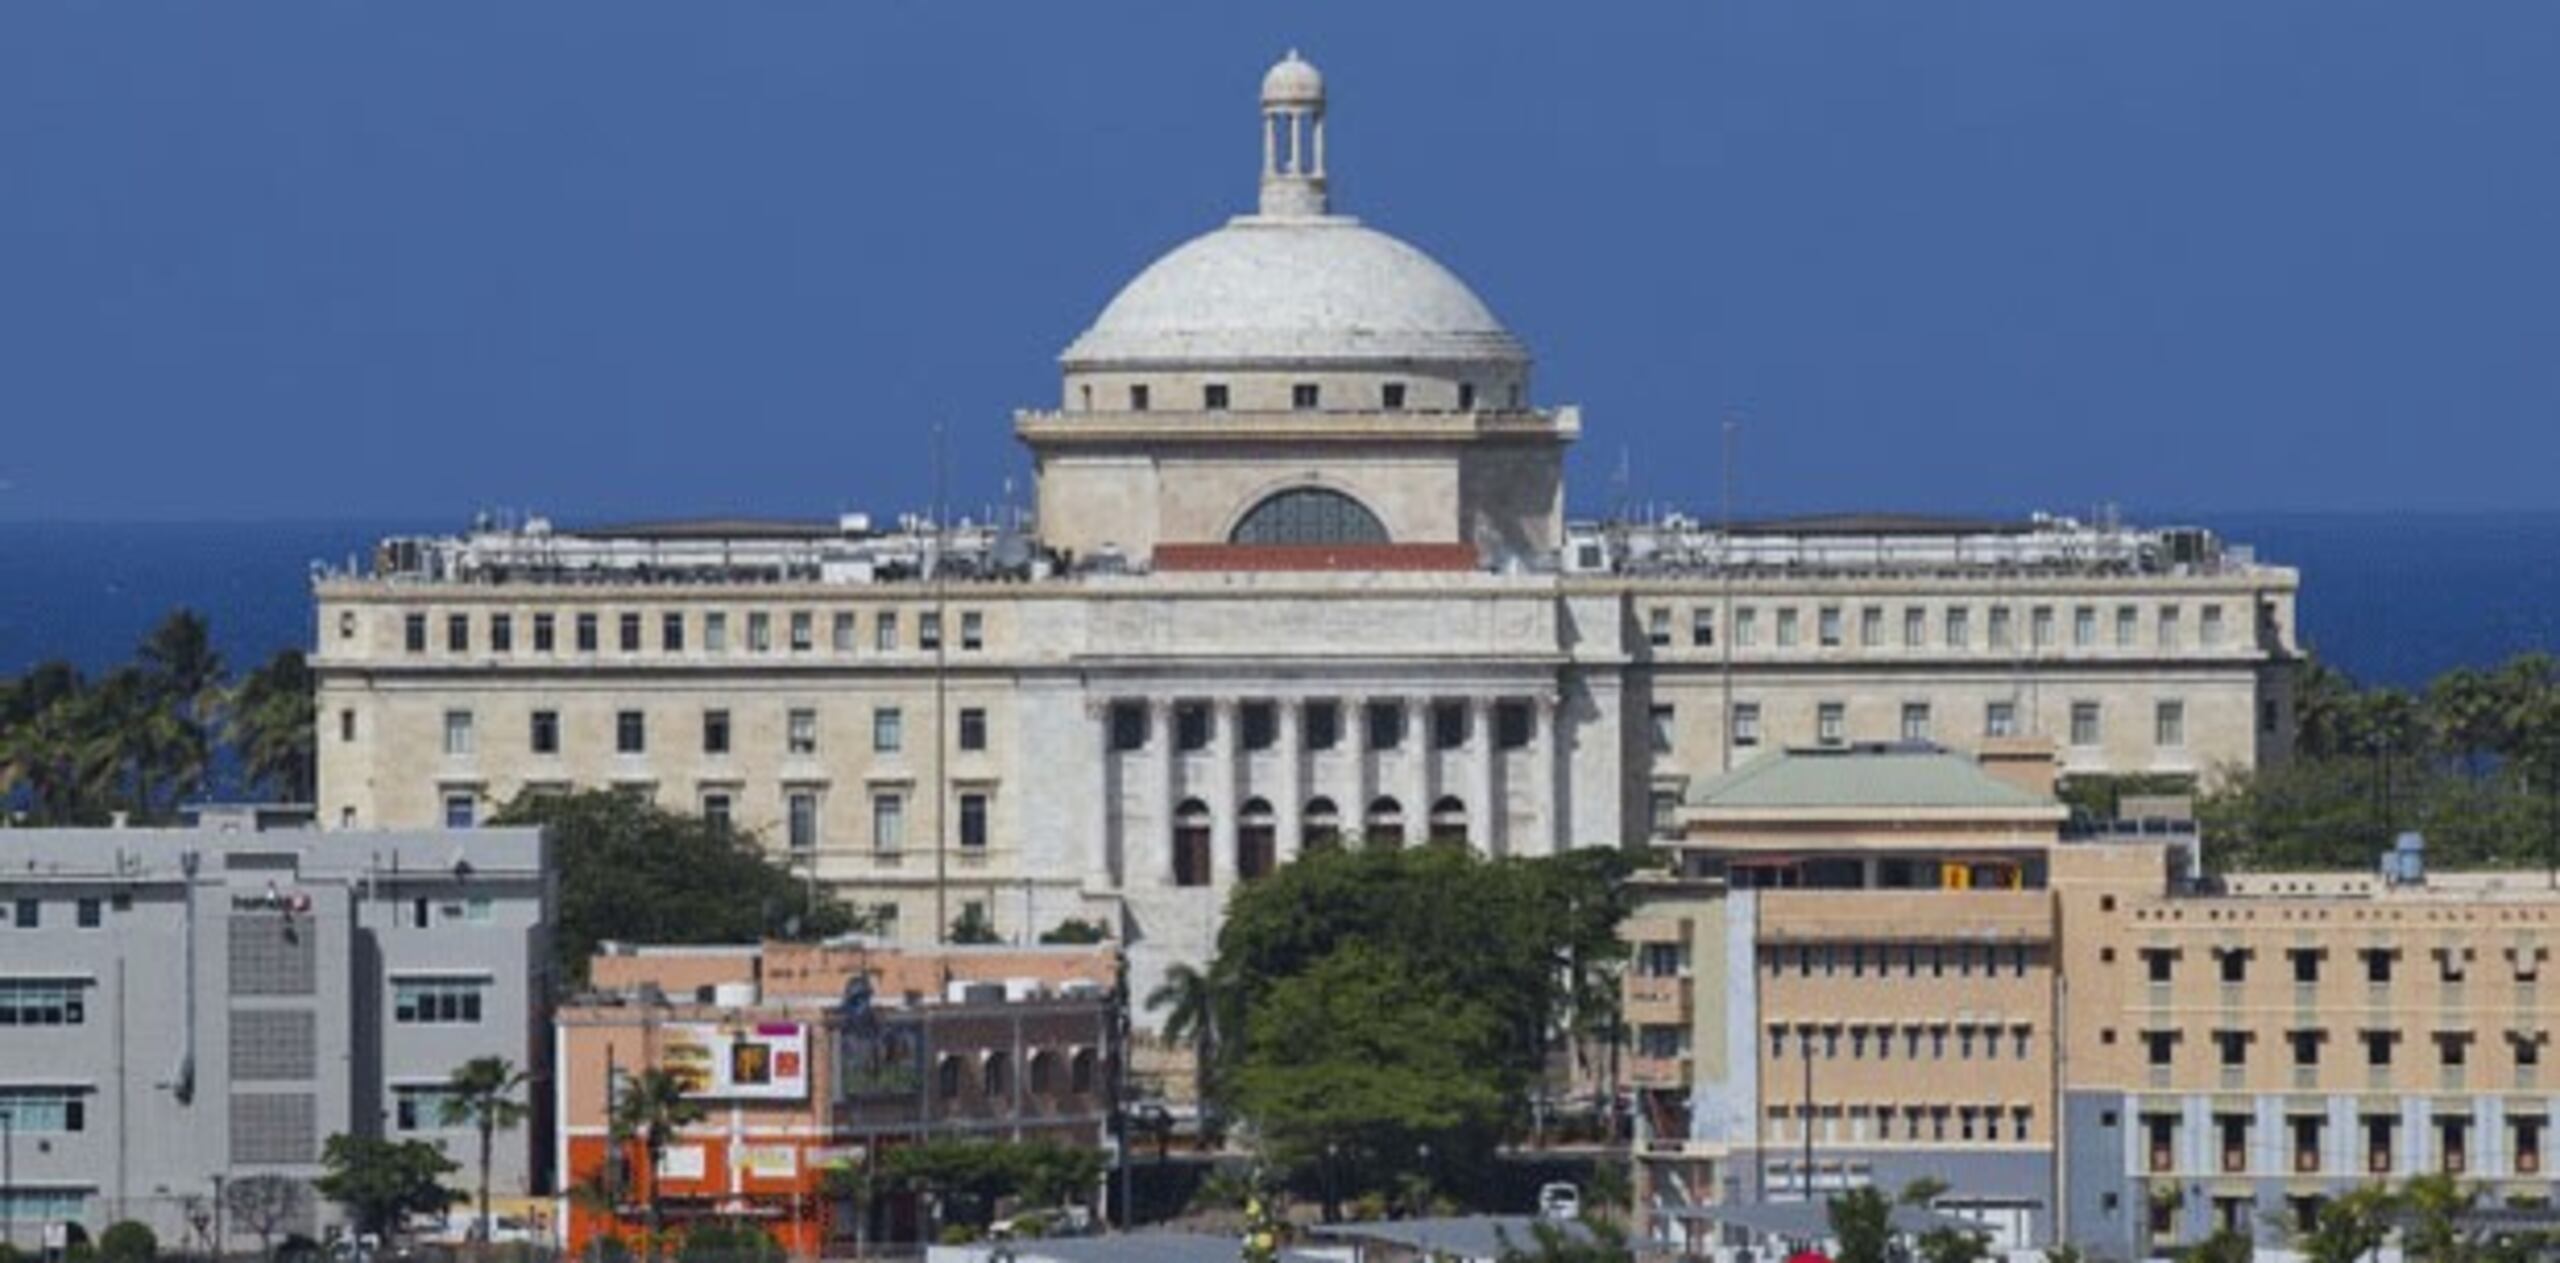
(1300, 568)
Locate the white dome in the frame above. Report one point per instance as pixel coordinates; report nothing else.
(1291, 289)
(1292, 81)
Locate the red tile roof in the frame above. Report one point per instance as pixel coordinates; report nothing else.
(1200, 557)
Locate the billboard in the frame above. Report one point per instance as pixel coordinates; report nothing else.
(768, 1061)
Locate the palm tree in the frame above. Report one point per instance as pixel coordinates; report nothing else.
(653, 1109)
(1190, 1003)
(271, 723)
(182, 678)
(481, 1094)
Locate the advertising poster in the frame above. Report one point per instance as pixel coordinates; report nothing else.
(768, 1061)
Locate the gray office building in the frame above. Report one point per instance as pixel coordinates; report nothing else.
(184, 1007)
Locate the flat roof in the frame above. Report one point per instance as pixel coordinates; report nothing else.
(1865, 776)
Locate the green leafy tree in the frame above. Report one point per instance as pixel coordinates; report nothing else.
(1188, 1001)
(1862, 1225)
(1551, 1243)
(483, 1094)
(1072, 932)
(381, 1183)
(2226, 1245)
(273, 725)
(2431, 1207)
(2350, 1226)
(1360, 1058)
(652, 1109)
(631, 870)
(1953, 1245)
(128, 1241)
(729, 1241)
(973, 927)
(180, 705)
(967, 1178)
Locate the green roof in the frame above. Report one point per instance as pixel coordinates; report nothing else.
(1863, 776)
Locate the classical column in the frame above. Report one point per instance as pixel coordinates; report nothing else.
(1160, 719)
(1099, 871)
(1225, 747)
(1543, 764)
(1354, 805)
(1485, 816)
(1288, 715)
(1419, 732)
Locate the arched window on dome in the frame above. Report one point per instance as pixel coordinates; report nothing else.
(1309, 515)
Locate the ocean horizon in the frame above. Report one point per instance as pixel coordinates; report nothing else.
(2391, 598)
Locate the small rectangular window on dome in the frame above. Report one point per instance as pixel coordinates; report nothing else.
(1392, 396)
(1303, 396)
(1213, 397)
(1137, 398)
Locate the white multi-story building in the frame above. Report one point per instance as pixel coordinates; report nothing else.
(1300, 568)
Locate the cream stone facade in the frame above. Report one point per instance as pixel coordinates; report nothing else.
(1300, 566)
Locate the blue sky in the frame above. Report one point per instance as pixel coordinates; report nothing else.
(340, 259)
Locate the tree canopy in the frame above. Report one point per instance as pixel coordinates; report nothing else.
(631, 870)
(380, 1183)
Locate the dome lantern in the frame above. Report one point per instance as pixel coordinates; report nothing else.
(1293, 139)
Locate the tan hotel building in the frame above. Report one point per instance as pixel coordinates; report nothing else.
(1904, 956)
(1299, 565)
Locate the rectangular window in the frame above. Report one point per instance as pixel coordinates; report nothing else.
(1830, 723)
(2040, 626)
(2128, 621)
(2000, 719)
(1746, 627)
(586, 633)
(459, 810)
(973, 631)
(630, 732)
(1746, 723)
(627, 632)
(545, 633)
(1391, 396)
(1665, 723)
(418, 1106)
(800, 732)
(802, 808)
(2084, 626)
(1787, 627)
(715, 731)
(2169, 724)
(1959, 627)
(1915, 627)
(759, 632)
(437, 1001)
(804, 631)
(1190, 727)
(502, 633)
(545, 737)
(457, 633)
(2001, 638)
(884, 633)
(1657, 627)
(1915, 721)
(973, 728)
(42, 1002)
(89, 913)
(1323, 722)
(457, 733)
(716, 810)
(1511, 722)
(2210, 626)
(929, 630)
(1466, 396)
(1871, 626)
(1304, 396)
(888, 730)
(1827, 626)
(1128, 726)
(1261, 723)
(973, 822)
(29, 914)
(413, 630)
(2168, 627)
(843, 632)
(1213, 397)
(671, 632)
(1138, 397)
(888, 823)
(1386, 725)
(715, 632)
(2084, 723)
(1702, 627)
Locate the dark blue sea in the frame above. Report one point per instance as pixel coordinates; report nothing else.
(2392, 598)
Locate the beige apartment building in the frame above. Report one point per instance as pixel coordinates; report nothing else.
(1300, 566)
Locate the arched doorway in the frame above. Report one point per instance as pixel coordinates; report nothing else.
(1257, 840)
(1191, 843)
(1385, 823)
(1449, 820)
(1320, 828)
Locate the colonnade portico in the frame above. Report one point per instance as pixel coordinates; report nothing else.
(1175, 761)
